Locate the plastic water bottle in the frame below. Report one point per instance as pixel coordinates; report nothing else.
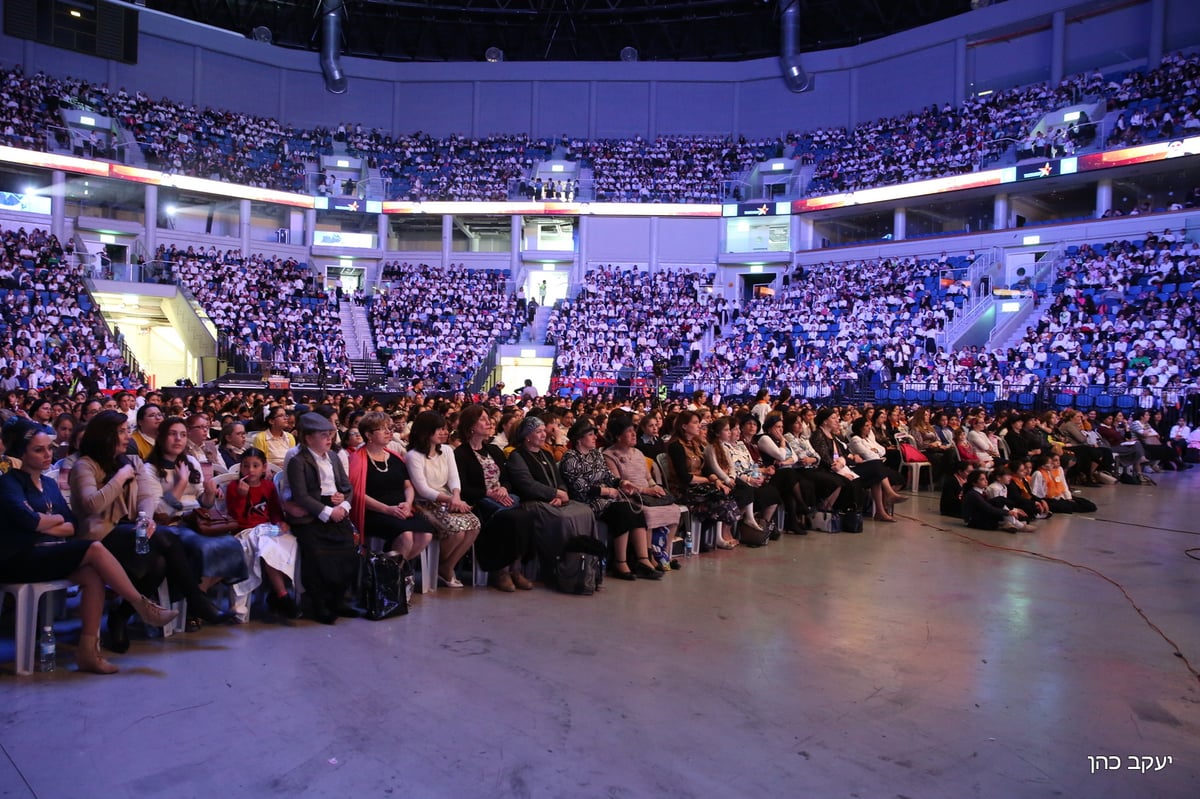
(141, 535)
(46, 654)
(689, 545)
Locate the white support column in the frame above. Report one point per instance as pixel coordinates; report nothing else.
(805, 232)
(514, 252)
(244, 225)
(58, 204)
(150, 201)
(1000, 212)
(899, 224)
(447, 239)
(1103, 197)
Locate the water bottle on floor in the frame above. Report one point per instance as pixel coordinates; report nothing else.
(46, 653)
(689, 545)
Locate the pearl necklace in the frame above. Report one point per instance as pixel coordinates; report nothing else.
(387, 463)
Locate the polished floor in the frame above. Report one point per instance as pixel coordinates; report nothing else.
(914, 660)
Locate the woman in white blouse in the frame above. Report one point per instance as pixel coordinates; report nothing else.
(434, 475)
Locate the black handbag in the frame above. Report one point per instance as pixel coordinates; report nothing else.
(852, 521)
(580, 568)
(386, 586)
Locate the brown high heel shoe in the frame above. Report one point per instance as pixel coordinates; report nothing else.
(88, 657)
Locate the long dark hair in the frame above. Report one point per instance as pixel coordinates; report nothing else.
(420, 437)
(100, 439)
(158, 457)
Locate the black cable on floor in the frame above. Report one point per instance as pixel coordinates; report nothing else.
(1177, 651)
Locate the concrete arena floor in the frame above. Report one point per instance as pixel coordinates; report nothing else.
(909, 661)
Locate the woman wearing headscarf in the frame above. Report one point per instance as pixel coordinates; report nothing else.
(535, 478)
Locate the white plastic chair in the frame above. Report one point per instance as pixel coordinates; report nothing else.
(914, 467)
(29, 596)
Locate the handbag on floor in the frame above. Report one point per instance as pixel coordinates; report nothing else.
(387, 585)
(754, 536)
(852, 521)
(580, 567)
(827, 521)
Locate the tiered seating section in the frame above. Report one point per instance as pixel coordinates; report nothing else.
(627, 321)
(927, 143)
(837, 325)
(439, 324)
(269, 312)
(50, 335)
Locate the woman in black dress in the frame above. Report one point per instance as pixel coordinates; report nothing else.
(506, 541)
(38, 544)
(381, 495)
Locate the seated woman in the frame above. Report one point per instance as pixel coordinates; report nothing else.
(149, 417)
(382, 496)
(1089, 459)
(39, 545)
(589, 480)
(232, 443)
(832, 451)
(867, 462)
(966, 452)
(108, 491)
(268, 546)
(1050, 484)
(506, 542)
(752, 475)
(723, 461)
(64, 436)
(182, 488)
(1161, 456)
(1128, 453)
(777, 452)
(925, 437)
(984, 513)
(819, 488)
(434, 474)
(706, 496)
(649, 442)
(982, 442)
(535, 478)
(628, 462)
(320, 494)
(201, 448)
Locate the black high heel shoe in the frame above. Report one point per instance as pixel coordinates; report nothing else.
(644, 569)
(202, 608)
(622, 575)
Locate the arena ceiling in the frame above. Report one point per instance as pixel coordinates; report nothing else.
(567, 30)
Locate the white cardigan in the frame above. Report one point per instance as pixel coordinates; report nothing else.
(433, 476)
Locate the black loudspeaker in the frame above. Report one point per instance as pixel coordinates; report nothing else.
(92, 27)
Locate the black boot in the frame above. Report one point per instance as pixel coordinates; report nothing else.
(118, 627)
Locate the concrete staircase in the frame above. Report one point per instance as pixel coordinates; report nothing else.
(536, 333)
(360, 343)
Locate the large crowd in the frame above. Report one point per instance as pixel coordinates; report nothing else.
(629, 321)
(931, 142)
(439, 324)
(50, 335)
(271, 314)
(233, 485)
